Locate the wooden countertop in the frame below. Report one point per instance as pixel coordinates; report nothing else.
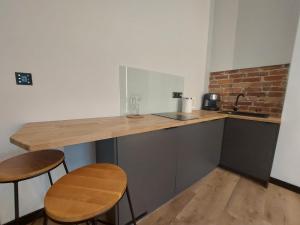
(54, 134)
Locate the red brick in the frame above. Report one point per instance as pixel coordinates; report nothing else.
(257, 74)
(228, 98)
(276, 83)
(274, 78)
(215, 90)
(250, 79)
(226, 102)
(276, 94)
(213, 82)
(226, 85)
(253, 89)
(221, 77)
(279, 72)
(224, 81)
(214, 86)
(257, 94)
(231, 90)
(245, 103)
(276, 110)
(261, 104)
(264, 88)
(267, 104)
(256, 84)
(237, 75)
(234, 94)
(274, 89)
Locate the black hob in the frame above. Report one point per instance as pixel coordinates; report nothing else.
(177, 116)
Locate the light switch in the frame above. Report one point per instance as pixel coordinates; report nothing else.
(23, 78)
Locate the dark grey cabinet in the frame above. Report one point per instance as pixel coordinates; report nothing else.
(198, 152)
(249, 147)
(149, 160)
(160, 164)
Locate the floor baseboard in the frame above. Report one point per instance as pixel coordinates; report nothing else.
(28, 218)
(285, 185)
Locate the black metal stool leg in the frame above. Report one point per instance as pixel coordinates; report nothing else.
(16, 193)
(104, 222)
(130, 206)
(65, 166)
(45, 222)
(50, 178)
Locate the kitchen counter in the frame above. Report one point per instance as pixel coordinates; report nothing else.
(54, 134)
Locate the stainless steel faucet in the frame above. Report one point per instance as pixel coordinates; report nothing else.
(235, 107)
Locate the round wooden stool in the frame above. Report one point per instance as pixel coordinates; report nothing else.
(86, 193)
(29, 165)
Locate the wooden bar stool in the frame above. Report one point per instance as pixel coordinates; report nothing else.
(86, 193)
(29, 165)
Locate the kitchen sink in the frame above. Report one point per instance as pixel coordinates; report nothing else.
(261, 115)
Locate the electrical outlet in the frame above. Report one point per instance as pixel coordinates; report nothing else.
(177, 94)
(23, 78)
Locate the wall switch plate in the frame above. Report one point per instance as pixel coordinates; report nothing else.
(23, 78)
(177, 94)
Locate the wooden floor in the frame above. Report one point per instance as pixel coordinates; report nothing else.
(224, 198)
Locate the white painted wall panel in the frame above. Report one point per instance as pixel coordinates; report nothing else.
(286, 165)
(74, 48)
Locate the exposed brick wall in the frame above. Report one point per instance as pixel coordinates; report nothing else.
(264, 88)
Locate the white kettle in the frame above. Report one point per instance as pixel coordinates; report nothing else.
(187, 104)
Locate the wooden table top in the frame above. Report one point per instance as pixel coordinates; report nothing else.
(29, 165)
(85, 193)
(54, 134)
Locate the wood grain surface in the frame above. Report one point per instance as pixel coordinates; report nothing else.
(29, 165)
(54, 134)
(224, 198)
(85, 193)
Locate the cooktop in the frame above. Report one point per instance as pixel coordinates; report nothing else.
(176, 116)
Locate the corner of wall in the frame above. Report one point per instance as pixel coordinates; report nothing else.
(209, 45)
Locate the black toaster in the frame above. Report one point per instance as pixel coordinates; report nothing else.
(211, 101)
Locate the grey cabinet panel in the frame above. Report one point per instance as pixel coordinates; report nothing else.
(248, 147)
(161, 163)
(199, 151)
(150, 162)
(106, 152)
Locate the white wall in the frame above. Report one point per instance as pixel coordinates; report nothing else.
(253, 33)
(286, 165)
(224, 32)
(266, 31)
(74, 48)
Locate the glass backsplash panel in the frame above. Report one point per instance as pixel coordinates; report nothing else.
(143, 91)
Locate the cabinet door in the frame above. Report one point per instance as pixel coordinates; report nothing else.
(199, 151)
(248, 147)
(149, 160)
